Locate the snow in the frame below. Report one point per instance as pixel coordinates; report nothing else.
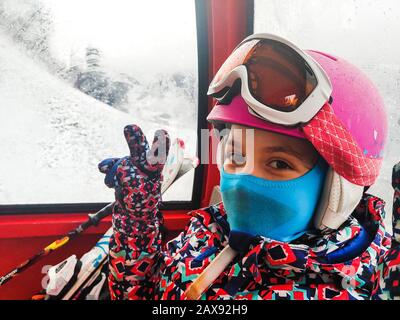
(52, 136)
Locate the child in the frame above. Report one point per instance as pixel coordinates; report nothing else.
(294, 215)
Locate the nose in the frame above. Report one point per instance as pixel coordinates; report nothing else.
(237, 151)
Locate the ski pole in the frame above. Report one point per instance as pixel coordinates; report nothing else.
(93, 220)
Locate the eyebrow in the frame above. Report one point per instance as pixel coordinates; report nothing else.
(290, 151)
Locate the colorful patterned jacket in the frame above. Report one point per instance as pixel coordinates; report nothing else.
(313, 267)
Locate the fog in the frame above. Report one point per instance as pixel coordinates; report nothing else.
(363, 31)
(130, 33)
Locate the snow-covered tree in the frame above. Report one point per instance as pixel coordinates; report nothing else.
(95, 82)
(30, 23)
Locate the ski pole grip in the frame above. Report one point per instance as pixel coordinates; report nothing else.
(95, 218)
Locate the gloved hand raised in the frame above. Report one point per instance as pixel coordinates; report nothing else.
(136, 179)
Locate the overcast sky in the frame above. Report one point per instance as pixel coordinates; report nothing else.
(147, 36)
(363, 31)
(132, 34)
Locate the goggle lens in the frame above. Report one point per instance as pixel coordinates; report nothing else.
(278, 76)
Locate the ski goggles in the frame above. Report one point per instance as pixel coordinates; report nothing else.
(280, 82)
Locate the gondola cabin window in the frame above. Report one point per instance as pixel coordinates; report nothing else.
(359, 31)
(73, 74)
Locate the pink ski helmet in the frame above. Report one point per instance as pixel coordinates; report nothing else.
(349, 132)
(350, 135)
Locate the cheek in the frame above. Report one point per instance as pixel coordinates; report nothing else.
(257, 166)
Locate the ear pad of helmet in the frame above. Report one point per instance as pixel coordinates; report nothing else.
(338, 200)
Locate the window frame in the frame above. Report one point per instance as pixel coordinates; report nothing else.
(202, 108)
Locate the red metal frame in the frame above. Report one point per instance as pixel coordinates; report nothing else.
(53, 225)
(227, 26)
(21, 236)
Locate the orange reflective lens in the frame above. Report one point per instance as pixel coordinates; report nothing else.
(234, 60)
(278, 76)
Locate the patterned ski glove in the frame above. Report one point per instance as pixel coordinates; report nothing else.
(136, 180)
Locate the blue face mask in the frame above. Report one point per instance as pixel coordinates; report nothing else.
(280, 210)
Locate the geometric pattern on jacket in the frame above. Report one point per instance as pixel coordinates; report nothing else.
(140, 268)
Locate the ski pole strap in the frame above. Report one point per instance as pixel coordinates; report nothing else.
(210, 274)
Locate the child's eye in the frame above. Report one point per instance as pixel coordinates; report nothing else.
(280, 165)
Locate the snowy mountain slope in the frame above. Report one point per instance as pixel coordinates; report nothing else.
(52, 136)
